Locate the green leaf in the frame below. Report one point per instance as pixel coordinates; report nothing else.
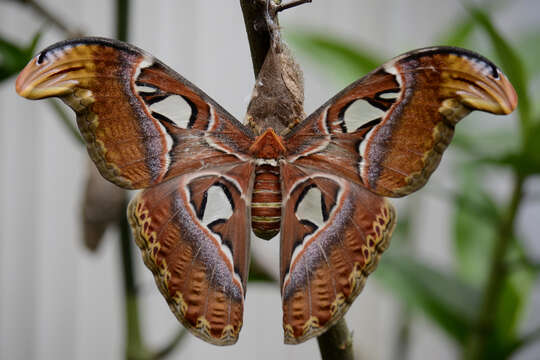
(530, 51)
(10, 58)
(512, 304)
(511, 64)
(527, 44)
(522, 163)
(532, 148)
(481, 142)
(13, 57)
(500, 148)
(474, 220)
(460, 31)
(458, 34)
(441, 296)
(346, 61)
(31, 48)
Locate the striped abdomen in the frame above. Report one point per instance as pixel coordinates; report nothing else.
(266, 202)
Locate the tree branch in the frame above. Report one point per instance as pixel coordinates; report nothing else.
(336, 343)
(257, 31)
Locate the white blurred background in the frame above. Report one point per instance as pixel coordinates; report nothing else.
(59, 301)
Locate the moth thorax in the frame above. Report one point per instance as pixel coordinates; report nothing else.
(266, 202)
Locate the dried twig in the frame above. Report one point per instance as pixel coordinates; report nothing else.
(291, 4)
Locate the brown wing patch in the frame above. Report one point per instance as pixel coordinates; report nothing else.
(200, 268)
(113, 86)
(418, 97)
(324, 268)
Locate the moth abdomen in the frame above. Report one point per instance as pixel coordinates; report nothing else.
(266, 202)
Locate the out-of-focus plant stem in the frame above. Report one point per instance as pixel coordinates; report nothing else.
(135, 347)
(66, 121)
(403, 341)
(134, 344)
(483, 329)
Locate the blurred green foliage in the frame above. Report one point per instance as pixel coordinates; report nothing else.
(14, 57)
(459, 301)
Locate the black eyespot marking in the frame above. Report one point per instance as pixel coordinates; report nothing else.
(302, 195)
(162, 118)
(153, 98)
(148, 93)
(212, 226)
(238, 273)
(169, 126)
(324, 210)
(311, 227)
(201, 208)
(144, 83)
(41, 58)
(369, 124)
(194, 112)
(379, 103)
(228, 243)
(200, 211)
(227, 194)
(341, 117)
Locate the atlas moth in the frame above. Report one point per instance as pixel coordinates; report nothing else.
(319, 182)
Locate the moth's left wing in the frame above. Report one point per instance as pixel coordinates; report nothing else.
(145, 126)
(142, 122)
(333, 232)
(388, 130)
(194, 232)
